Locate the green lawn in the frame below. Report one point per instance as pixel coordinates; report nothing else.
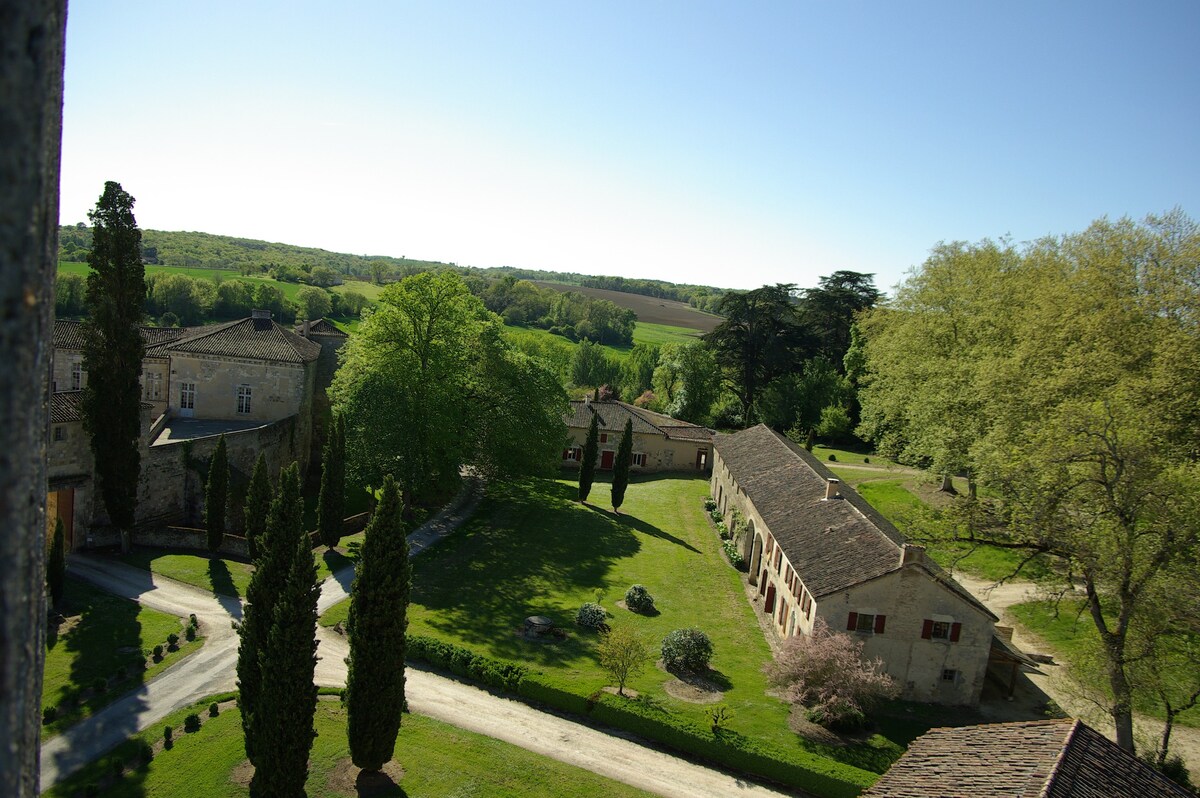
(530, 549)
(823, 453)
(1071, 633)
(658, 334)
(438, 760)
(103, 634)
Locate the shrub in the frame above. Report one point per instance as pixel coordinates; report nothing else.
(192, 622)
(49, 714)
(735, 556)
(825, 673)
(686, 649)
(722, 530)
(710, 504)
(716, 516)
(833, 458)
(167, 734)
(190, 633)
(99, 685)
(866, 459)
(172, 642)
(158, 653)
(191, 723)
(214, 709)
(638, 599)
(591, 616)
(145, 751)
(461, 661)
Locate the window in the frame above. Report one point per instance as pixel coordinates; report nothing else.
(941, 630)
(153, 383)
(243, 399)
(76, 375)
(60, 433)
(187, 395)
(639, 459)
(866, 623)
(575, 454)
(949, 675)
(604, 437)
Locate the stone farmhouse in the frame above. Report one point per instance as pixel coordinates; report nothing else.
(815, 549)
(1048, 758)
(251, 380)
(660, 443)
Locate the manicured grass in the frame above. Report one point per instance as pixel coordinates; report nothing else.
(822, 453)
(530, 549)
(1070, 631)
(894, 501)
(103, 633)
(438, 760)
(219, 576)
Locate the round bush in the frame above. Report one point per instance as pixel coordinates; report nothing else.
(591, 616)
(190, 633)
(191, 723)
(158, 652)
(686, 649)
(172, 642)
(168, 732)
(213, 710)
(638, 600)
(192, 620)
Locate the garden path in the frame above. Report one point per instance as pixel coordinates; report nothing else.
(212, 670)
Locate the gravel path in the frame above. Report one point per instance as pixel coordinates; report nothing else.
(212, 670)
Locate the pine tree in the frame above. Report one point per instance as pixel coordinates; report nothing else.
(112, 353)
(56, 566)
(287, 700)
(258, 505)
(266, 586)
(331, 505)
(587, 467)
(378, 620)
(216, 496)
(621, 466)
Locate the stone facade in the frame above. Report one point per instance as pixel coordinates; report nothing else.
(815, 549)
(660, 443)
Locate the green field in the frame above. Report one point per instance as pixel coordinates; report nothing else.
(103, 633)
(438, 760)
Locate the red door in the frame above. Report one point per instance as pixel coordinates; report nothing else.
(606, 460)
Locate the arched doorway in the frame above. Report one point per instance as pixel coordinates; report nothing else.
(755, 552)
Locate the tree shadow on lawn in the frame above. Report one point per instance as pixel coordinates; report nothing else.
(530, 550)
(643, 527)
(223, 587)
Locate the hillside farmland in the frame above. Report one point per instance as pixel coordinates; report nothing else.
(650, 310)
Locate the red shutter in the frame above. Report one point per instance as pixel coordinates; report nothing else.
(879, 620)
(927, 630)
(566, 453)
(955, 632)
(852, 624)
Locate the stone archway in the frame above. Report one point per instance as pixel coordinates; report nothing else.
(756, 550)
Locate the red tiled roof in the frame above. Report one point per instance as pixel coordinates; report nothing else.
(1028, 759)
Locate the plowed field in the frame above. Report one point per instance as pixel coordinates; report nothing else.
(651, 310)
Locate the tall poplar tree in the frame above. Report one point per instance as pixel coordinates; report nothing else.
(257, 506)
(112, 353)
(377, 624)
(216, 496)
(271, 569)
(621, 466)
(331, 504)
(287, 698)
(587, 466)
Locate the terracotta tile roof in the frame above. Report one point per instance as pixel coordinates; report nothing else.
(64, 406)
(612, 415)
(1029, 759)
(833, 545)
(253, 338)
(322, 327)
(68, 334)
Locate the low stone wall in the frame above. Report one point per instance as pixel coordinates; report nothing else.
(182, 537)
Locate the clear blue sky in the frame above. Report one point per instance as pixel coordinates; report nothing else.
(734, 144)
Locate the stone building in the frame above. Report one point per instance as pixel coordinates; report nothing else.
(251, 380)
(815, 549)
(660, 443)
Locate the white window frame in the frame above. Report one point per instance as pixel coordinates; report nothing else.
(76, 375)
(639, 459)
(187, 396)
(244, 396)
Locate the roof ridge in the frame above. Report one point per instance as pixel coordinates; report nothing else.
(204, 331)
(1059, 758)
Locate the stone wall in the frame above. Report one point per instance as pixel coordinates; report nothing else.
(277, 390)
(662, 453)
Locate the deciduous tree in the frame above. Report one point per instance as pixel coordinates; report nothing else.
(622, 653)
(587, 466)
(621, 465)
(216, 496)
(377, 624)
(112, 353)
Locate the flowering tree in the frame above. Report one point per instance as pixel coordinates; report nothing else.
(825, 673)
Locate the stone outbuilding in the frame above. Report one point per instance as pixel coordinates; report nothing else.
(660, 443)
(816, 549)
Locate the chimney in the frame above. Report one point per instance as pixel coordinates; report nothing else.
(831, 489)
(260, 314)
(910, 554)
(587, 400)
(307, 327)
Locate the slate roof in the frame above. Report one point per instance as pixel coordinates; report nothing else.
(611, 416)
(1029, 759)
(253, 338)
(322, 327)
(64, 406)
(68, 334)
(833, 545)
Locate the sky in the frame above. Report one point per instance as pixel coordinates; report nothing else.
(732, 144)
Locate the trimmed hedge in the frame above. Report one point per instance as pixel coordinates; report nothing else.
(810, 772)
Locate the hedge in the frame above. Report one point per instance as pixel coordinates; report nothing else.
(810, 772)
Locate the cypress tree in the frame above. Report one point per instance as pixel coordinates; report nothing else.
(112, 353)
(287, 699)
(587, 467)
(258, 505)
(378, 620)
(56, 567)
(216, 496)
(331, 504)
(266, 585)
(621, 466)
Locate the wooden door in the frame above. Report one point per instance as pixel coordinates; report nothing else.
(606, 460)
